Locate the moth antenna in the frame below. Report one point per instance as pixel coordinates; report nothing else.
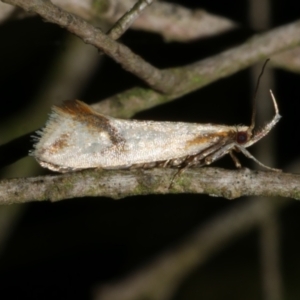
(252, 125)
(274, 103)
(266, 129)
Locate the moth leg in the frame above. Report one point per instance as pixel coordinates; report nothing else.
(207, 156)
(235, 160)
(218, 154)
(186, 163)
(203, 158)
(192, 161)
(166, 163)
(249, 155)
(177, 173)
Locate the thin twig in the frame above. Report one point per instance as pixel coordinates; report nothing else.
(118, 184)
(288, 60)
(128, 18)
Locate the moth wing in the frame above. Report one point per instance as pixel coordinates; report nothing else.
(76, 137)
(149, 141)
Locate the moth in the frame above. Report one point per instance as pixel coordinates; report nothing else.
(77, 137)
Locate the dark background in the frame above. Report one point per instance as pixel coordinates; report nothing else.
(64, 250)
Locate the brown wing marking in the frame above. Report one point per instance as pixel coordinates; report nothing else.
(211, 138)
(83, 113)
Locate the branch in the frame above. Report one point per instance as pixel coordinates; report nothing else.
(94, 36)
(175, 81)
(118, 184)
(172, 21)
(228, 62)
